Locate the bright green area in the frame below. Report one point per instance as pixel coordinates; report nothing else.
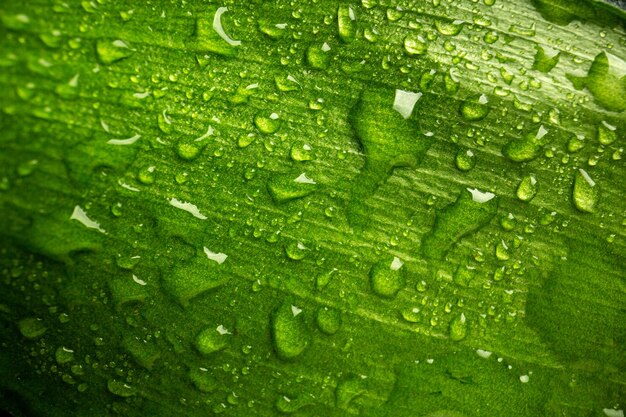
(318, 208)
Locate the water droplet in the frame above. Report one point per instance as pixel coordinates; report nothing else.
(296, 251)
(63, 355)
(346, 21)
(301, 151)
(502, 251)
(585, 192)
(210, 35)
(318, 56)
(576, 143)
(347, 391)
(31, 328)
(146, 176)
(471, 211)
(285, 188)
(465, 159)
(606, 133)
(458, 328)
(328, 320)
(272, 29)
(388, 141)
(387, 277)
(546, 58)
(212, 339)
(287, 405)
(267, 124)
(526, 148)
(191, 278)
(112, 51)
(411, 314)
(415, 45)
(289, 332)
(323, 280)
(563, 12)
(203, 379)
(464, 275)
(121, 389)
(449, 27)
(475, 108)
(187, 151)
(394, 14)
(605, 81)
(26, 168)
(527, 188)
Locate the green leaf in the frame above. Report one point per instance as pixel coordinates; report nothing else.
(313, 208)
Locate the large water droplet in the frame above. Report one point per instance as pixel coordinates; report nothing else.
(267, 123)
(63, 355)
(212, 339)
(346, 22)
(210, 35)
(191, 278)
(203, 379)
(465, 159)
(475, 108)
(387, 140)
(112, 51)
(527, 188)
(458, 328)
(387, 277)
(546, 58)
(607, 133)
(318, 56)
(585, 192)
(285, 188)
(31, 328)
(415, 45)
(290, 334)
(121, 389)
(328, 320)
(347, 391)
(449, 27)
(526, 148)
(606, 80)
(471, 211)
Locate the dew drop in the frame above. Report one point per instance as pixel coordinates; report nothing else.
(585, 192)
(387, 278)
